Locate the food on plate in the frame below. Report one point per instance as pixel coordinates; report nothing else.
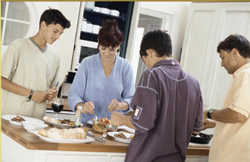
(103, 125)
(67, 121)
(120, 135)
(131, 137)
(56, 133)
(18, 119)
(105, 120)
(58, 121)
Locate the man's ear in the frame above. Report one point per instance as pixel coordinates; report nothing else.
(43, 24)
(235, 52)
(149, 52)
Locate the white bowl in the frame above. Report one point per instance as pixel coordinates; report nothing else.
(96, 9)
(33, 126)
(114, 12)
(90, 5)
(95, 29)
(104, 10)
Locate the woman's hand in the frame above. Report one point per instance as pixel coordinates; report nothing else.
(114, 105)
(87, 107)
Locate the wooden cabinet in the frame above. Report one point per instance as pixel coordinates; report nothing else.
(208, 24)
(86, 41)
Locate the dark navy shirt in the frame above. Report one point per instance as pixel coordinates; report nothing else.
(167, 108)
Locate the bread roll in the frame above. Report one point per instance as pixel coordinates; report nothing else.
(56, 133)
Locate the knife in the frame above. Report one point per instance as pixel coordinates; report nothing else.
(90, 134)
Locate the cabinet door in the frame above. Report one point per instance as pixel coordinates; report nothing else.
(76, 158)
(234, 18)
(207, 25)
(199, 45)
(116, 158)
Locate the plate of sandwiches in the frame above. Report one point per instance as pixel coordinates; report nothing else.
(18, 119)
(122, 136)
(68, 135)
(60, 123)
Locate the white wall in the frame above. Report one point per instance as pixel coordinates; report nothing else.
(180, 12)
(65, 44)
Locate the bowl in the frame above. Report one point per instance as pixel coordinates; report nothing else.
(33, 126)
(96, 9)
(95, 29)
(104, 10)
(114, 12)
(201, 138)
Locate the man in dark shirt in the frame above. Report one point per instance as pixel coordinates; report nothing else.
(167, 105)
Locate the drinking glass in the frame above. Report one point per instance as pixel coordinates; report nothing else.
(57, 106)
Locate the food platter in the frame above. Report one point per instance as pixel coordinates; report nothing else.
(60, 125)
(56, 140)
(123, 140)
(28, 119)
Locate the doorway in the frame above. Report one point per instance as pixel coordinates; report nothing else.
(149, 20)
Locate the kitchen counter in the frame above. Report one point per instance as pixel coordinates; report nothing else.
(110, 148)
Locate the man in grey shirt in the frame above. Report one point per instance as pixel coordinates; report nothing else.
(167, 105)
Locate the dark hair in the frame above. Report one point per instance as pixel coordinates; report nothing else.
(158, 41)
(110, 34)
(236, 41)
(54, 16)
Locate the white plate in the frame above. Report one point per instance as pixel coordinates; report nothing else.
(130, 130)
(53, 140)
(112, 134)
(90, 122)
(28, 119)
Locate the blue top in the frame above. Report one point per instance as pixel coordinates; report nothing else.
(91, 84)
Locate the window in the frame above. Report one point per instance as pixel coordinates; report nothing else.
(15, 19)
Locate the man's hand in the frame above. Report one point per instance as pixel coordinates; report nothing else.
(205, 114)
(207, 123)
(87, 107)
(39, 96)
(117, 119)
(51, 93)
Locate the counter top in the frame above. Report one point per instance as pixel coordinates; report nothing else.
(33, 142)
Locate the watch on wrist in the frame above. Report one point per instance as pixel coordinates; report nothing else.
(30, 96)
(210, 111)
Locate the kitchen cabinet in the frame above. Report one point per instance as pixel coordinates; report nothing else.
(86, 41)
(208, 24)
